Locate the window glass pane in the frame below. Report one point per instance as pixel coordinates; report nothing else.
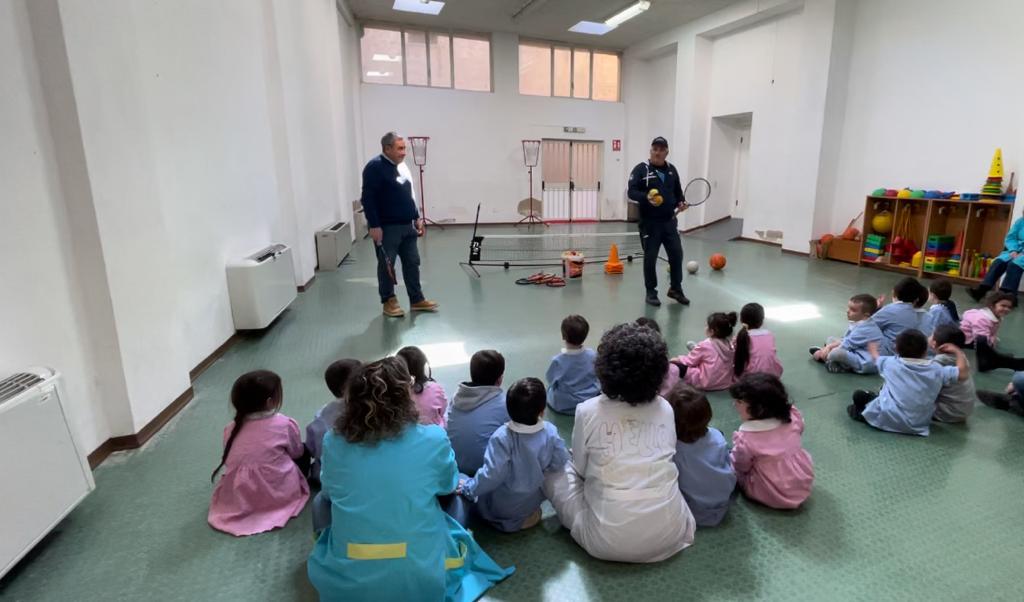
(535, 70)
(382, 56)
(606, 77)
(580, 73)
(415, 58)
(563, 77)
(472, 63)
(440, 61)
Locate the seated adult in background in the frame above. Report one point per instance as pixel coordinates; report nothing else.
(382, 471)
(1010, 262)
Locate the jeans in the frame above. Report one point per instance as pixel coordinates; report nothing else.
(1013, 273)
(653, 235)
(1018, 386)
(400, 242)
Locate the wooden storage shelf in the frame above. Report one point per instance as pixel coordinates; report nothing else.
(983, 224)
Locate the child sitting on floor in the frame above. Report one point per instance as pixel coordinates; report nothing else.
(478, 409)
(508, 488)
(909, 296)
(706, 478)
(906, 402)
(850, 353)
(980, 328)
(771, 465)
(956, 400)
(709, 365)
(571, 378)
(427, 394)
(754, 347)
(336, 376)
(943, 310)
(262, 486)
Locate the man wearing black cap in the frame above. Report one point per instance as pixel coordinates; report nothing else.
(655, 187)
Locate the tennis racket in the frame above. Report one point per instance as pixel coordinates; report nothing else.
(387, 263)
(696, 193)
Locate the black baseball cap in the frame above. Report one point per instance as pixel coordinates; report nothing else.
(660, 141)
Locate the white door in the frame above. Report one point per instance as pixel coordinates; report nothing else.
(571, 180)
(742, 161)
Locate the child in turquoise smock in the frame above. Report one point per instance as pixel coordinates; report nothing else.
(1010, 262)
(389, 538)
(571, 378)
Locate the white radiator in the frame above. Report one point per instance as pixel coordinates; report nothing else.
(333, 244)
(359, 220)
(44, 473)
(261, 286)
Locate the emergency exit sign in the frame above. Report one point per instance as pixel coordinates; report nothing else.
(569, 129)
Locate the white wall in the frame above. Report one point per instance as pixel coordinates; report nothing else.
(475, 150)
(649, 93)
(160, 140)
(924, 111)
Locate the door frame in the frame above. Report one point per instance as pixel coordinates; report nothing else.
(572, 185)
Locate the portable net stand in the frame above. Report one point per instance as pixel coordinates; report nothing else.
(419, 158)
(541, 250)
(531, 158)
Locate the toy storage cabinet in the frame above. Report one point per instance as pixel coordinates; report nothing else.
(983, 223)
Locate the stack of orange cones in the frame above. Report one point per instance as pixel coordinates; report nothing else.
(613, 265)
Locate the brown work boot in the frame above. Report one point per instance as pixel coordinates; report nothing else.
(425, 305)
(392, 309)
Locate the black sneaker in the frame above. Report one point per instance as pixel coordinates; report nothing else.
(678, 296)
(652, 299)
(813, 350)
(992, 399)
(978, 292)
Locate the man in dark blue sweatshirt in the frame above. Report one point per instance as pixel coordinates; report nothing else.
(655, 187)
(390, 207)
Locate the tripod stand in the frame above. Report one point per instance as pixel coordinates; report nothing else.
(531, 157)
(419, 157)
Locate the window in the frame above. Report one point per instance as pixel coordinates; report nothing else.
(414, 57)
(549, 70)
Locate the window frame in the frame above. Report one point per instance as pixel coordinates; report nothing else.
(427, 31)
(572, 48)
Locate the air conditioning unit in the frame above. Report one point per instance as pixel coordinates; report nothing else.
(261, 286)
(333, 244)
(44, 473)
(359, 220)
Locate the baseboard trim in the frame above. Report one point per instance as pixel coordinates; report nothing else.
(126, 442)
(797, 253)
(305, 287)
(202, 366)
(707, 225)
(777, 245)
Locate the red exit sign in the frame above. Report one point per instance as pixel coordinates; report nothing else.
(616, 144)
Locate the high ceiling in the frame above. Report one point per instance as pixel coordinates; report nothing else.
(546, 19)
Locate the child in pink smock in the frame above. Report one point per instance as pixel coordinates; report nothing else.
(709, 365)
(754, 346)
(981, 326)
(771, 465)
(429, 396)
(262, 486)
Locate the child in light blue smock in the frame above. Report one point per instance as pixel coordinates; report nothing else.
(850, 353)
(477, 410)
(906, 402)
(909, 296)
(943, 310)
(508, 487)
(706, 478)
(571, 378)
(336, 376)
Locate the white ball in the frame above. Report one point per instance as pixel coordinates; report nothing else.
(692, 267)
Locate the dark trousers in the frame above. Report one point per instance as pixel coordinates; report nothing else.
(995, 271)
(400, 242)
(654, 235)
(861, 399)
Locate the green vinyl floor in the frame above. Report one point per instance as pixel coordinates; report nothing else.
(891, 517)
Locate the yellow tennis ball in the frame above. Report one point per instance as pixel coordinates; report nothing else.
(657, 200)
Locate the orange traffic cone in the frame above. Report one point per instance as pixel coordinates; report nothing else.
(613, 265)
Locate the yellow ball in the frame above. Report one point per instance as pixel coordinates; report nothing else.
(657, 200)
(882, 223)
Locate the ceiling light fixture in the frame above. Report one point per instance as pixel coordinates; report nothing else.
(627, 13)
(591, 28)
(423, 7)
(386, 58)
(378, 74)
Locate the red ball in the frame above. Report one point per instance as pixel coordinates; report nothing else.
(717, 261)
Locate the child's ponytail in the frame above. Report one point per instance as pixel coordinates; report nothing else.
(951, 308)
(419, 369)
(253, 392)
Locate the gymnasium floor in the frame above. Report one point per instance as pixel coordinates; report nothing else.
(891, 517)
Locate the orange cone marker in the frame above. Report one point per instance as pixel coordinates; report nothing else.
(613, 265)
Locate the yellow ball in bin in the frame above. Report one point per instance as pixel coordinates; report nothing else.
(882, 223)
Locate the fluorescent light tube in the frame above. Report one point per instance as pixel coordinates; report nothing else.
(628, 13)
(387, 58)
(378, 74)
(591, 28)
(432, 7)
